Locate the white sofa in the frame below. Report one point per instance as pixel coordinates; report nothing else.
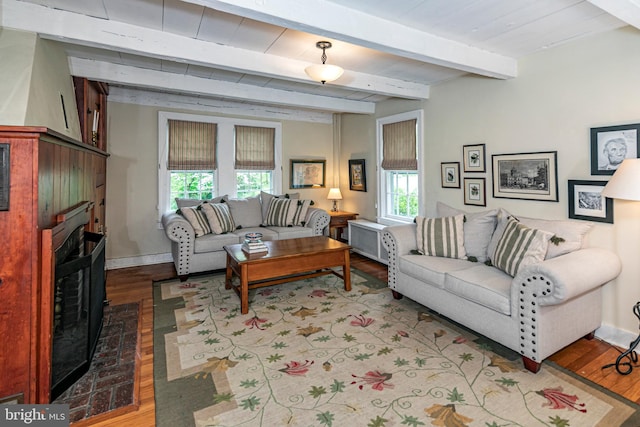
(545, 307)
(193, 254)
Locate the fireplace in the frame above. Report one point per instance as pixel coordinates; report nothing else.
(78, 300)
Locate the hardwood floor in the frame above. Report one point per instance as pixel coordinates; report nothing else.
(584, 357)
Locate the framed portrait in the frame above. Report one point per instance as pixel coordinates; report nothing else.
(528, 176)
(450, 174)
(611, 145)
(586, 201)
(474, 192)
(357, 175)
(4, 177)
(307, 173)
(474, 158)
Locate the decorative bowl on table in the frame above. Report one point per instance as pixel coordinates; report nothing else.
(253, 237)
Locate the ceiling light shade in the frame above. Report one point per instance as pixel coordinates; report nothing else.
(324, 72)
(625, 182)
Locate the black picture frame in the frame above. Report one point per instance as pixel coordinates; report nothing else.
(5, 169)
(307, 173)
(357, 175)
(474, 158)
(475, 192)
(450, 174)
(515, 176)
(612, 144)
(586, 202)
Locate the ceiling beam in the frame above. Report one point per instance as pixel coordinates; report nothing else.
(333, 20)
(180, 83)
(118, 36)
(625, 10)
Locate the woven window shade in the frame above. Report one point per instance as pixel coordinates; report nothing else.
(192, 145)
(399, 146)
(255, 148)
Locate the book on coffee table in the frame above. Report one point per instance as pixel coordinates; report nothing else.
(254, 246)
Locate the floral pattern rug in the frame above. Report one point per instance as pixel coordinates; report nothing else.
(311, 354)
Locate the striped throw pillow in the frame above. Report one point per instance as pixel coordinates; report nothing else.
(287, 212)
(219, 217)
(519, 246)
(197, 219)
(442, 237)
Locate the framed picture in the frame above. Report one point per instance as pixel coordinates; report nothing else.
(474, 191)
(474, 158)
(307, 173)
(528, 176)
(586, 201)
(357, 175)
(611, 145)
(450, 174)
(4, 177)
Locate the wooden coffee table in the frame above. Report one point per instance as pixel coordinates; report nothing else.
(286, 261)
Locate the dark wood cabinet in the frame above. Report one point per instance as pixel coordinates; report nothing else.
(48, 173)
(91, 99)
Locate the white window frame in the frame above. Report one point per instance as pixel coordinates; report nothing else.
(225, 175)
(382, 182)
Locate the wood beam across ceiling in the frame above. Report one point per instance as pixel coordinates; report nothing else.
(180, 83)
(625, 10)
(122, 37)
(333, 20)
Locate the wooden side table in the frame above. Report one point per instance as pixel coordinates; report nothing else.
(339, 221)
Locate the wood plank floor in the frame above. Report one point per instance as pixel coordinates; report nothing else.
(585, 357)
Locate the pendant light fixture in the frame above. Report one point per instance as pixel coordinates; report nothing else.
(324, 72)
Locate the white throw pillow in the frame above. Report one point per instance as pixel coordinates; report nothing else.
(287, 212)
(246, 213)
(519, 246)
(478, 229)
(265, 200)
(569, 234)
(441, 237)
(219, 217)
(197, 219)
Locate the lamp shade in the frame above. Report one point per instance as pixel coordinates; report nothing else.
(324, 72)
(334, 194)
(625, 182)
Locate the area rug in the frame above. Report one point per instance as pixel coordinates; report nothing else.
(309, 353)
(108, 387)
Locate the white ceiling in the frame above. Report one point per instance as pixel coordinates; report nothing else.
(255, 51)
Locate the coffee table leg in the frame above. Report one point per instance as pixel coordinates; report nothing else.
(244, 289)
(229, 274)
(346, 271)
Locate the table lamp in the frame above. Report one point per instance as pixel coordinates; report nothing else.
(335, 195)
(625, 184)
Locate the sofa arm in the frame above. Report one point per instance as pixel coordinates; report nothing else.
(398, 240)
(317, 219)
(560, 279)
(182, 237)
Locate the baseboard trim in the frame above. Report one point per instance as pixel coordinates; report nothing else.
(113, 264)
(615, 336)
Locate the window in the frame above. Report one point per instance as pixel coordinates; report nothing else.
(202, 157)
(399, 177)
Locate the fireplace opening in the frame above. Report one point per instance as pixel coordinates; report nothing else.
(79, 297)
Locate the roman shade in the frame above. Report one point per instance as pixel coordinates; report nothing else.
(399, 146)
(255, 148)
(192, 145)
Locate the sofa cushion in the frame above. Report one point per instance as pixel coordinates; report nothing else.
(267, 233)
(441, 237)
(187, 203)
(431, 269)
(265, 200)
(520, 246)
(291, 232)
(478, 229)
(287, 212)
(571, 234)
(482, 284)
(246, 212)
(214, 242)
(219, 217)
(197, 219)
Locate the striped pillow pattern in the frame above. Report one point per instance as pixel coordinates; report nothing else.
(441, 237)
(219, 217)
(287, 212)
(197, 219)
(520, 246)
